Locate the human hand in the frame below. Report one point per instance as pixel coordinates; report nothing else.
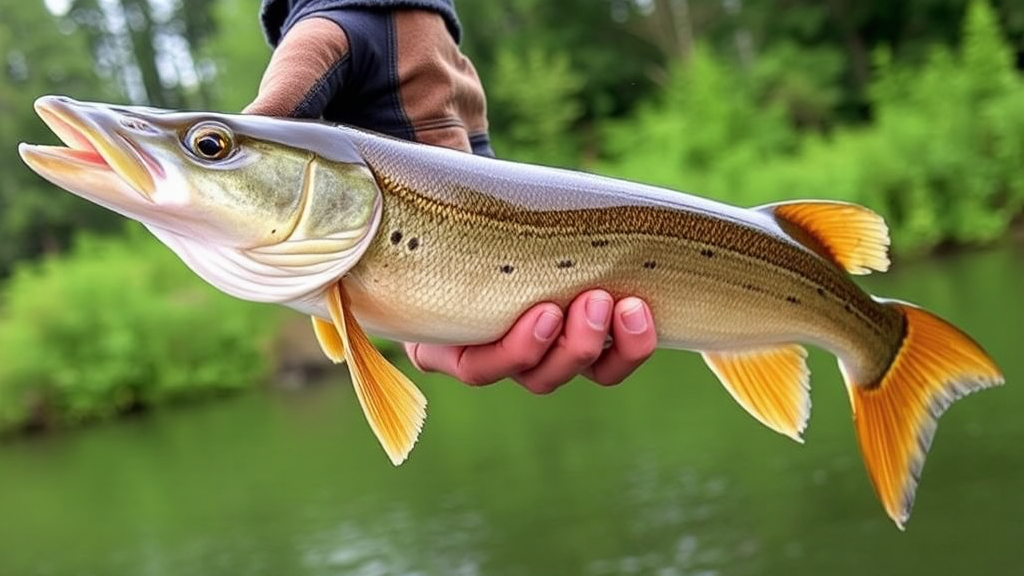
(545, 349)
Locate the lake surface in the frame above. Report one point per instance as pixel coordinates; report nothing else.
(661, 476)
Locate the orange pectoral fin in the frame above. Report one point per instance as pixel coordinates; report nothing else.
(329, 339)
(770, 383)
(393, 405)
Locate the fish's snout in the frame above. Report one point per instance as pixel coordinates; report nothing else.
(105, 135)
(44, 104)
(62, 107)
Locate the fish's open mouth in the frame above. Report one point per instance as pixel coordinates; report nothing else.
(92, 146)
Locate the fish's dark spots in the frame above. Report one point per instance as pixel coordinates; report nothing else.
(650, 264)
(566, 264)
(506, 269)
(599, 243)
(396, 237)
(274, 231)
(707, 252)
(821, 291)
(847, 308)
(753, 287)
(414, 243)
(792, 299)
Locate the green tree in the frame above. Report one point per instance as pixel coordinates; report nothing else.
(616, 63)
(537, 115)
(703, 133)
(941, 160)
(154, 49)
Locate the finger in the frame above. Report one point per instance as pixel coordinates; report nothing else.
(520, 349)
(586, 328)
(411, 350)
(633, 341)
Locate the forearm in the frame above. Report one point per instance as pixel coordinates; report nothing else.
(304, 71)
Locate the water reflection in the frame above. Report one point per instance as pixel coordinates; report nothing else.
(394, 541)
(674, 510)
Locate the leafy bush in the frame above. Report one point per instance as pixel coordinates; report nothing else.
(942, 159)
(536, 96)
(705, 133)
(119, 324)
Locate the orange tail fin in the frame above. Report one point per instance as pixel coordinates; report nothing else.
(895, 418)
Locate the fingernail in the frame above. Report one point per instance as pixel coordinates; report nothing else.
(598, 309)
(546, 326)
(635, 319)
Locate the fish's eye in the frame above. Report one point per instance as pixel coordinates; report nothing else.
(210, 141)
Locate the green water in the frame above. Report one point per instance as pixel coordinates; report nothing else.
(662, 476)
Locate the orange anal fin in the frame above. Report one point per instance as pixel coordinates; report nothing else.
(393, 405)
(896, 417)
(770, 383)
(329, 339)
(853, 237)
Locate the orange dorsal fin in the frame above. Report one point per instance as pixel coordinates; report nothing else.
(393, 405)
(896, 417)
(852, 236)
(329, 339)
(770, 383)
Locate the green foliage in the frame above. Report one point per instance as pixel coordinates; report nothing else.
(803, 81)
(155, 69)
(240, 56)
(536, 96)
(705, 133)
(605, 49)
(116, 325)
(942, 160)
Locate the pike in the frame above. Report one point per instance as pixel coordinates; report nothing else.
(416, 243)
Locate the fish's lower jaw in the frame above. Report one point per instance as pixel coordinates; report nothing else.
(92, 181)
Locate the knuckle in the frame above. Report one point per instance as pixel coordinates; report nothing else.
(583, 355)
(521, 360)
(522, 363)
(473, 376)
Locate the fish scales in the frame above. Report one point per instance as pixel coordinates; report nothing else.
(706, 273)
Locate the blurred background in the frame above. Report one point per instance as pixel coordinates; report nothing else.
(150, 425)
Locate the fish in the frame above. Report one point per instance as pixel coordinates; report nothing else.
(371, 235)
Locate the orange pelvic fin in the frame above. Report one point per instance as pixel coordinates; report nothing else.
(852, 236)
(393, 405)
(896, 417)
(770, 383)
(329, 339)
